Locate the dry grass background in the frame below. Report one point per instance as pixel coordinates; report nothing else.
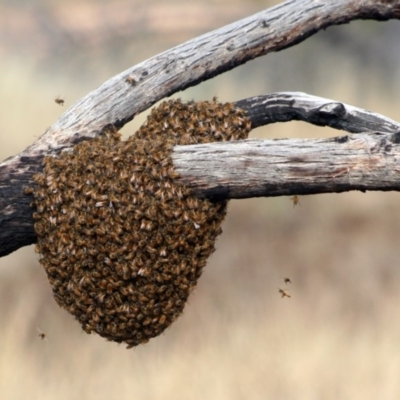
(339, 334)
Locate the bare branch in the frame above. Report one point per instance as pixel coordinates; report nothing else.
(122, 97)
(254, 168)
(250, 168)
(125, 95)
(290, 106)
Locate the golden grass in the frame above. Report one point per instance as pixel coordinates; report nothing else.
(337, 337)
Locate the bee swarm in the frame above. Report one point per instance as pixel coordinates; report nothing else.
(122, 242)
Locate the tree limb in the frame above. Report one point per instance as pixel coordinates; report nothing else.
(296, 106)
(118, 100)
(122, 97)
(254, 168)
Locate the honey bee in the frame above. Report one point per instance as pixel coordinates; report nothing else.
(287, 280)
(117, 298)
(28, 190)
(284, 293)
(145, 272)
(85, 281)
(100, 297)
(41, 334)
(295, 200)
(95, 318)
(220, 113)
(146, 225)
(99, 312)
(147, 321)
(59, 100)
(131, 80)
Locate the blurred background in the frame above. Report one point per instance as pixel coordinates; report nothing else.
(338, 335)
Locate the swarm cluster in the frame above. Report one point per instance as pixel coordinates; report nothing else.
(122, 242)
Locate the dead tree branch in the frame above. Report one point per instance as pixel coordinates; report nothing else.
(296, 106)
(254, 168)
(118, 100)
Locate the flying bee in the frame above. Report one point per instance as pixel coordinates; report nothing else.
(295, 200)
(287, 280)
(59, 100)
(41, 334)
(284, 293)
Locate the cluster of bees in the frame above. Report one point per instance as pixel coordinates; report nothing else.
(122, 242)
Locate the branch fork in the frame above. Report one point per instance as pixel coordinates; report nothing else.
(366, 160)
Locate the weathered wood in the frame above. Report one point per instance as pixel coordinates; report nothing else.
(254, 168)
(290, 106)
(125, 95)
(250, 168)
(122, 97)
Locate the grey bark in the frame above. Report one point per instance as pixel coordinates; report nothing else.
(118, 100)
(254, 168)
